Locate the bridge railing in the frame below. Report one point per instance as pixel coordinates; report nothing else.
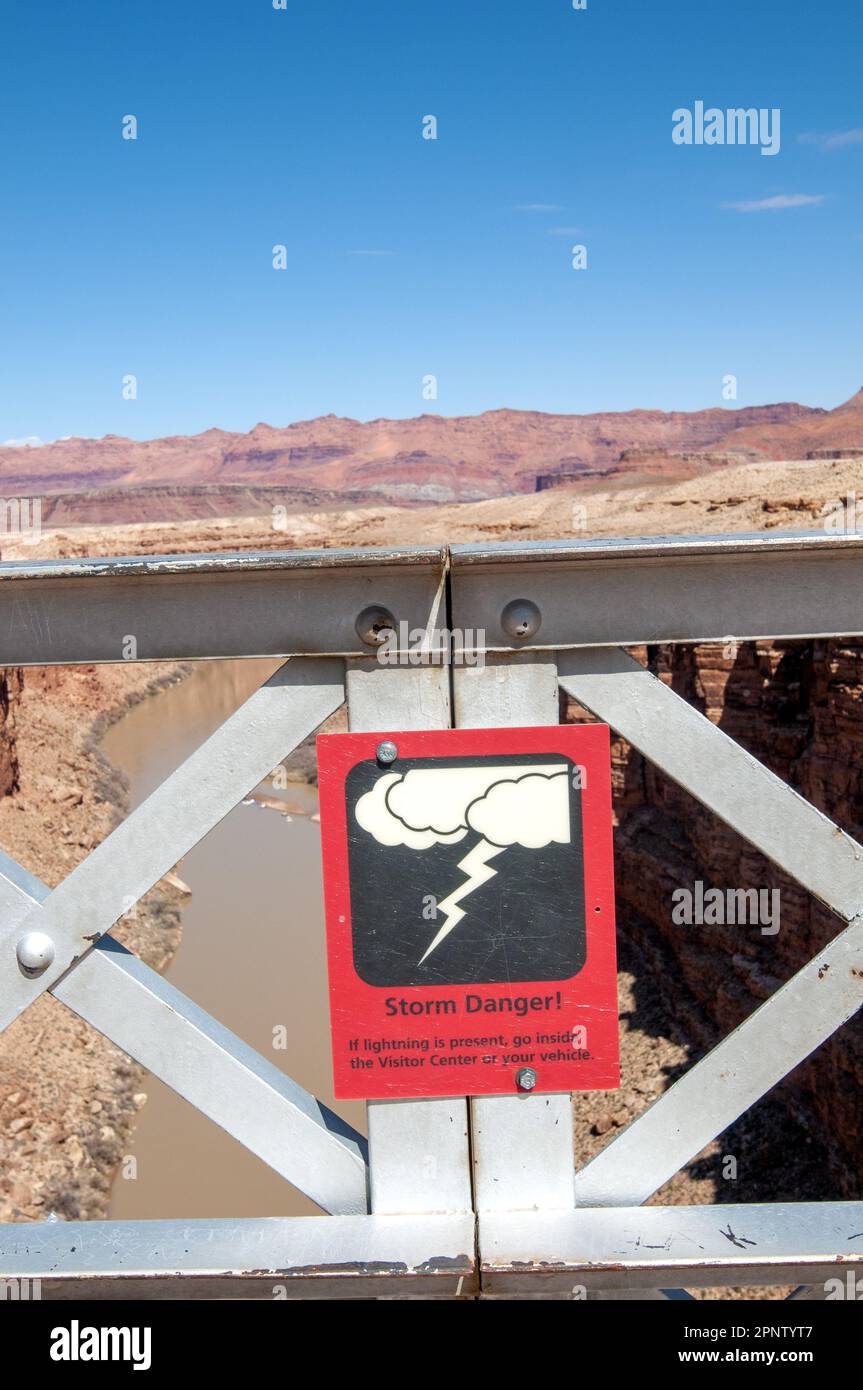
(448, 1197)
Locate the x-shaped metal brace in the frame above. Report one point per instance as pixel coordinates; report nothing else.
(59, 940)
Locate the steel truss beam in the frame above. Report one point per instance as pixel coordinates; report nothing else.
(590, 593)
(263, 1258)
(180, 607)
(663, 588)
(620, 1251)
(651, 1247)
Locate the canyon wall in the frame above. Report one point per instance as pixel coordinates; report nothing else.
(10, 688)
(798, 708)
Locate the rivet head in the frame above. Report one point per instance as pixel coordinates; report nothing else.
(525, 1078)
(386, 752)
(35, 952)
(521, 619)
(374, 625)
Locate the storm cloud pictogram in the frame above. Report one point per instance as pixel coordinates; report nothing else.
(465, 868)
(503, 806)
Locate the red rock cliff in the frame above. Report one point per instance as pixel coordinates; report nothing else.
(10, 686)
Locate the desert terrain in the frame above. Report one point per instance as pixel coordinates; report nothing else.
(796, 494)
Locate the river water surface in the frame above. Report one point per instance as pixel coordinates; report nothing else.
(252, 954)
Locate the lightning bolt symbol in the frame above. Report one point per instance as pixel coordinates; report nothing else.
(476, 866)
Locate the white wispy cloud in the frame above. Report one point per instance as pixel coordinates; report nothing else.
(537, 207)
(30, 441)
(778, 203)
(833, 139)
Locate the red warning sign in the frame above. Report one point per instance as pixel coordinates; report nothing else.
(469, 894)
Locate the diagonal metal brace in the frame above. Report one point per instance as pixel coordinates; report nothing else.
(771, 816)
(209, 1066)
(290, 706)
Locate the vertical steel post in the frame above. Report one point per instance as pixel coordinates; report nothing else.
(418, 1149)
(522, 1144)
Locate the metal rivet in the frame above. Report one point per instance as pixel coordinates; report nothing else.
(35, 952)
(521, 619)
(525, 1078)
(386, 752)
(374, 625)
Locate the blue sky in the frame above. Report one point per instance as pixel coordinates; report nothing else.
(408, 257)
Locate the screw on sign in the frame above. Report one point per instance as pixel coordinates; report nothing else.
(469, 894)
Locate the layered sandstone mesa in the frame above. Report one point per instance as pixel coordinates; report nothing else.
(798, 708)
(427, 459)
(10, 689)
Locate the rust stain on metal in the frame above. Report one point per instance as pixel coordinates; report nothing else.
(436, 1264)
(443, 1264)
(354, 1268)
(536, 1264)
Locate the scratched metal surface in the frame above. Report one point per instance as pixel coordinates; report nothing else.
(309, 1256)
(649, 1247)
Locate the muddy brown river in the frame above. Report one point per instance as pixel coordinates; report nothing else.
(252, 954)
